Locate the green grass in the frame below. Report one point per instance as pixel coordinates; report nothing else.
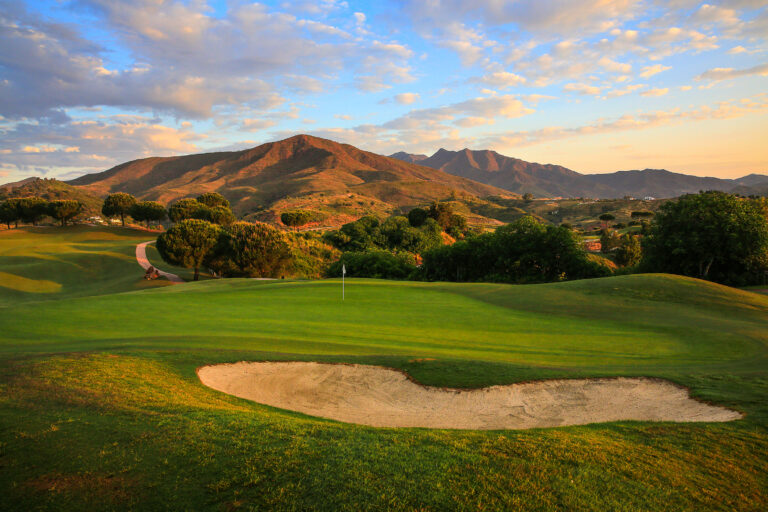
(54, 263)
(100, 407)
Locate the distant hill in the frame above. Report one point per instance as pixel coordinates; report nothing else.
(51, 189)
(408, 157)
(338, 180)
(547, 180)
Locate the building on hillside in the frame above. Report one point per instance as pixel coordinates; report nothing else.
(593, 245)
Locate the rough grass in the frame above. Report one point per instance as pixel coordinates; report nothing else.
(100, 407)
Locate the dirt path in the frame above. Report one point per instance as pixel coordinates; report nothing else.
(383, 397)
(141, 257)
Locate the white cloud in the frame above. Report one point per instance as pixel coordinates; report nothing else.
(612, 65)
(628, 122)
(253, 125)
(585, 89)
(501, 79)
(728, 73)
(649, 71)
(406, 98)
(655, 92)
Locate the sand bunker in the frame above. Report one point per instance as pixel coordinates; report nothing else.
(382, 397)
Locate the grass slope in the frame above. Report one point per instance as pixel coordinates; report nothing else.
(53, 263)
(100, 407)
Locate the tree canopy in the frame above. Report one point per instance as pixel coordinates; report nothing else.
(118, 205)
(710, 235)
(148, 211)
(188, 244)
(64, 209)
(213, 199)
(295, 218)
(251, 250)
(524, 251)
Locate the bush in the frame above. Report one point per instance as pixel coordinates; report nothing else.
(524, 251)
(250, 250)
(710, 235)
(375, 264)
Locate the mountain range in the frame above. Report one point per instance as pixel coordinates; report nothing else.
(337, 180)
(547, 180)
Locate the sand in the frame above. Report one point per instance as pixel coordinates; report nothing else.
(383, 397)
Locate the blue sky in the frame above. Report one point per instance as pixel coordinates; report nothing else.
(595, 85)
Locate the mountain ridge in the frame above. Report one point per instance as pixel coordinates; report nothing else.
(340, 179)
(550, 180)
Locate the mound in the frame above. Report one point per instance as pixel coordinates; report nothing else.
(382, 397)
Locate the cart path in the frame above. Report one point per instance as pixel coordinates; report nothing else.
(141, 257)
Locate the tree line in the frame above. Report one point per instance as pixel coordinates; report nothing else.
(32, 210)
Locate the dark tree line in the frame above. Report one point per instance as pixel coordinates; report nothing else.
(32, 210)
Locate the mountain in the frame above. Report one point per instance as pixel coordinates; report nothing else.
(657, 183)
(411, 158)
(547, 180)
(337, 180)
(51, 189)
(513, 174)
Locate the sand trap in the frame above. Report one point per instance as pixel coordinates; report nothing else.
(382, 397)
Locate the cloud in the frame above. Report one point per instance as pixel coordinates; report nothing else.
(649, 71)
(628, 122)
(624, 91)
(252, 125)
(406, 98)
(183, 59)
(88, 145)
(655, 92)
(585, 89)
(616, 67)
(728, 73)
(500, 79)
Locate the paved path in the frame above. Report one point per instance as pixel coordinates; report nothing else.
(141, 257)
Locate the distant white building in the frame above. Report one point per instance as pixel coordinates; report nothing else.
(649, 198)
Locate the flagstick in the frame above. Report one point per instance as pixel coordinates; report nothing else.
(343, 273)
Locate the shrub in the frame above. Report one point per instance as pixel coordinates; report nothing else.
(375, 264)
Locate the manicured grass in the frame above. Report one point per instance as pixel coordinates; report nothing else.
(100, 407)
(52, 263)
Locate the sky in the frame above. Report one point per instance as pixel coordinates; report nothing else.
(594, 85)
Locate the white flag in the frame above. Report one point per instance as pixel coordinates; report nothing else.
(343, 270)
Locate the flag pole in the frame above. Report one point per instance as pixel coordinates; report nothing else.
(343, 273)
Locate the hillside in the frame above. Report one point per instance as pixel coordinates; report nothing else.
(547, 180)
(338, 180)
(51, 189)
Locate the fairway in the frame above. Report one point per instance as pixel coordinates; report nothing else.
(101, 407)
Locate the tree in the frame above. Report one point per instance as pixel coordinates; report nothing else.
(629, 251)
(641, 214)
(710, 235)
(220, 215)
(183, 209)
(609, 240)
(442, 213)
(252, 250)
(606, 218)
(417, 217)
(32, 209)
(188, 244)
(148, 211)
(64, 209)
(213, 199)
(118, 205)
(458, 225)
(296, 218)
(9, 212)
(528, 197)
